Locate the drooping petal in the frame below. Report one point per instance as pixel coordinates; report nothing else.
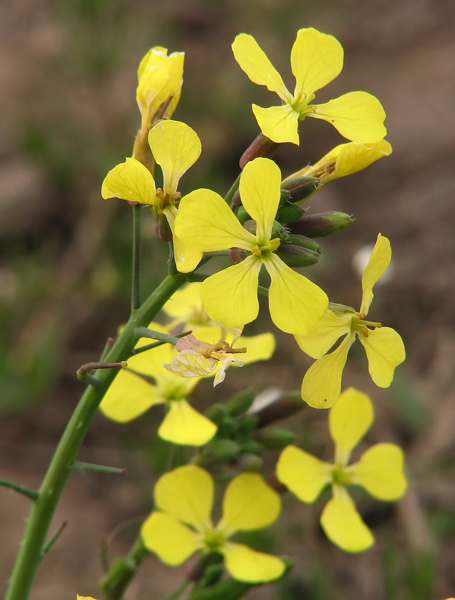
(321, 384)
(245, 564)
(248, 503)
(279, 123)
(175, 147)
(343, 525)
(358, 116)
(186, 493)
(206, 223)
(130, 181)
(260, 193)
(169, 539)
(316, 59)
(303, 474)
(128, 397)
(296, 304)
(385, 351)
(330, 328)
(186, 426)
(254, 62)
(230, 296)
(186, 259)
(380, 471)
(377, 265)
(349, 420)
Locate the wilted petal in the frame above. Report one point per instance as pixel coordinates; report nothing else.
(254, 62)
(230, 296)
(186, 493)
(316, 59)
(189, 363)
(279, 123)
(296, 304)
(343, 525)
(249, 503)
(377, 265)
(303, 474)
(349, 420)
(321, 384)
(130, 181)
(330, 328)
(169, 539)
(358, 116)
(380, 472)
(186, 426)
(385, 351)
(245, 564)
(175, 147)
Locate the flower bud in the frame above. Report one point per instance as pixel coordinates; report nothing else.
(321, 224)
(163, 229)
(225, 450)
(237, 255)
(303, 242)
(288, 213)
(241, 402)
(250, 462)
(276, 438)
(252, 447)
(300, 188)
(296, 256)
(247, 424)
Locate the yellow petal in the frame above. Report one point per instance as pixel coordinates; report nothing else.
(185, 304)
(278, 123)
(260, 193)
(258, 347)
(245, 564)
(343, 525)
(353, 157)
(385, 351)
(303, 474)
(316, 59)
(130, 181)
(206, 223)
(128, 397)
(186, 493)
(296, 304)
(349, 420)
(230, 296)
(358, 116)
(322, 382)
(377, 265)
(249, 503)
(186, 426)
(175, 147)
(380, 472)
(325, 334)
(169, 539)
(186, 259)
(252, 59)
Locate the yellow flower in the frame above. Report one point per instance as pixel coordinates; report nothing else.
(159, 77)
(182, 524)
(379, 471)
(175, 147)
(383, 346)
(131, 394)
(345, 159)
(84, 597)
(316, 59)
(205, 223)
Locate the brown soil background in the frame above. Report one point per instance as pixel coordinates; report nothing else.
(68, 114)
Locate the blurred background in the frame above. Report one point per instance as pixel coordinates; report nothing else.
(68, 115)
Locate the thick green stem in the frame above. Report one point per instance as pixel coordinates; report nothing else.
(136, 269)
(123, 570)
(43, 507)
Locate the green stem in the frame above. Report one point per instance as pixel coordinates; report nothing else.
(179, 591)
(234, 187)
(136, 269)
(17, 487)
(43, 508)
(123, 570)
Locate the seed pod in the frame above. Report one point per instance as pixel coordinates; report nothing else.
(321, 224)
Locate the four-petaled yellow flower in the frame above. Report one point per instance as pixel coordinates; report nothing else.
(160, 77)
(182, 524)
(383, 346)
(175, 147)
(205, 223)
(343, 160)
(316, 59)
(379, 471)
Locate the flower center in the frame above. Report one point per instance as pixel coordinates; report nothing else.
(266, 247)
(213, 539)
(360, 326)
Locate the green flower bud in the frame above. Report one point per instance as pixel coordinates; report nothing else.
(252, 447)
(300, 188)
(304, 242)
(216, 413)
(276, 438)
(225, 450)
(242, 215)
(163, 229)
(241, 402)
(250, 462)
(297, 256)
(321, 224)
(288, 213)
(247, 424)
